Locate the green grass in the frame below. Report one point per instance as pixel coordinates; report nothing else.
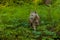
(14, 22)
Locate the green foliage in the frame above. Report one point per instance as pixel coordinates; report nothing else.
(14, 20)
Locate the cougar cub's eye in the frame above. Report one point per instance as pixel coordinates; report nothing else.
(31, 15)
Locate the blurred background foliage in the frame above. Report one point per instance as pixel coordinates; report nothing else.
(14, 20)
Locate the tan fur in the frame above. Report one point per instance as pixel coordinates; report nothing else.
(34, 20)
